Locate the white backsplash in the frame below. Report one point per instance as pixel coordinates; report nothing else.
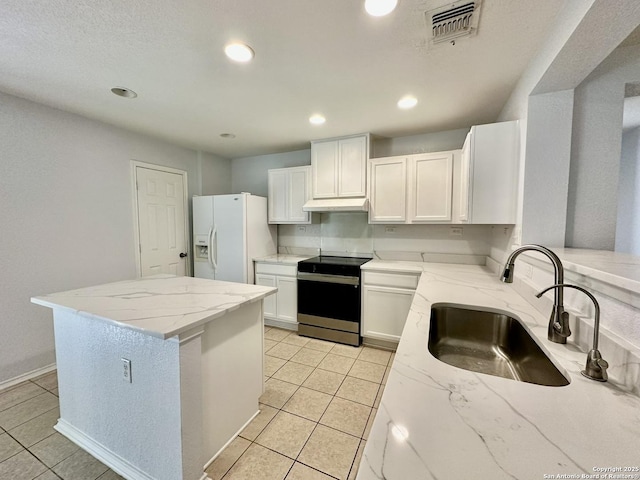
(350, 234)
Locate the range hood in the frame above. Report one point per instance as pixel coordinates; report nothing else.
(359, 204)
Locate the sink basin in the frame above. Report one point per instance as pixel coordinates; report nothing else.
(489, 342)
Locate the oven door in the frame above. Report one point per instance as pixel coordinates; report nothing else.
(329, 307)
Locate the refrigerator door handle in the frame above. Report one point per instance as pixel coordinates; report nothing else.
(209, 246)
(213, 241)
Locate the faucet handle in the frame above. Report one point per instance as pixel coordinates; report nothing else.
(596, 367)
(561, 325)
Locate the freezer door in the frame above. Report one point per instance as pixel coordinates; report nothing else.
(230, 242)
(202, 215)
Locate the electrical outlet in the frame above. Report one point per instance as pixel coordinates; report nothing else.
(389, 229)
(455, 231)
(126, 370)
(302, 229)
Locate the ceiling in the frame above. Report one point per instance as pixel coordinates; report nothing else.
(324, 56)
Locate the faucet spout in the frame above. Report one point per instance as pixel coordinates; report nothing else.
(596, 366)
(558, 330)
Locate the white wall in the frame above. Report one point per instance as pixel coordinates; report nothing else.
(66, 214)
(215, 174)
(422, 143)
(628, 225)
(249, 174)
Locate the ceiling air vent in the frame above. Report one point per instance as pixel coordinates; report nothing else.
(453, 21)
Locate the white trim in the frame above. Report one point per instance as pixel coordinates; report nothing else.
(284, 324)
(136, 232)
(210, 461)
(106, 456)
(27, 376)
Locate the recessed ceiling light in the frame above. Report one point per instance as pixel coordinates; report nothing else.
(379, 8)
(239, 52)
(407, 102)
(124, 92)
(227, 135)
(317, 119)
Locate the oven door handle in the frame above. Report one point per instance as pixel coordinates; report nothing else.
(326, 278)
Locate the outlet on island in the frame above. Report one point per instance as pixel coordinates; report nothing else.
(455, 231)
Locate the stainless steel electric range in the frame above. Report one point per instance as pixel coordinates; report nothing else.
(329, 298)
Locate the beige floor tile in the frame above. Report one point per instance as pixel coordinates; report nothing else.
(223, 462)
(49, 475)
(346, 416)
(110, 475)
(268, 344)
(55, 392)
(48, 381)
(259, 423)
(36, 429)
(386, 375)
(293, 373)
(320, 345)
(360, 391)
(80, 466)
(372, 417)
(22, 466)
(276, 334)
(18, 394)
(295, 339)
(272, 364)
(54, 449)
(336, 363)
(25, 411)
(393, 357)
(330, 451)
(308, 403)
(300, 471)
(284, 351)
(356, 462)
(286, 434)
(267, 328)
(277, 392)
(375, 355)
(376, 404)
(259, 463)
(324, 381)
(346, 350)
(367, 371)
(308, 356)
(8, 447)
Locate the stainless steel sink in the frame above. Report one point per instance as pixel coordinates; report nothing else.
(489, 342)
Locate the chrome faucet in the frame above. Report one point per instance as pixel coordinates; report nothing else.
(558, 330)
(596, 367)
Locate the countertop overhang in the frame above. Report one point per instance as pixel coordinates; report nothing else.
(161, 306)
(439, 421)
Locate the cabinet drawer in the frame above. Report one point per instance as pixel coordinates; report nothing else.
(397, 280)
(273, 269)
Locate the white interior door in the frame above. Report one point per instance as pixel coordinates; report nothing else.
(161, 222)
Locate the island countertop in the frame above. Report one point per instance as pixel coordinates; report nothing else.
(161, 306)
(436, 421)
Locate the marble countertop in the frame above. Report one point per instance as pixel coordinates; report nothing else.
(161, 306)
(436, 421)
(400, 266)
(283, 258)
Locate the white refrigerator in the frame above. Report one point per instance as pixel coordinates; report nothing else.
(229, 231)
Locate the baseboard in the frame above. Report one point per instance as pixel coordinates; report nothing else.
(27, 376)
(106, 456)
(384, 344)
(271, 322)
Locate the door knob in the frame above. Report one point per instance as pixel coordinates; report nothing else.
(182, 255)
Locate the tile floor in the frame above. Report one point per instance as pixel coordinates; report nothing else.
(319, 403)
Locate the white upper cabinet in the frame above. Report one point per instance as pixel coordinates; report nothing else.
(412, 188)
(489, 174)
(339, 167)
(289, 189)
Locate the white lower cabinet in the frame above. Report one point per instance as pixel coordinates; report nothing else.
(386, 301)
(280, 309)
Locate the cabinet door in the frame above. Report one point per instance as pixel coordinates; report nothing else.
(431, 185)
(352, 167)
(270, 305)
(299, 193)
(465, 185)
(388, 190)
(384, 312)
(278, 186)
(287, 298)
(324, 166)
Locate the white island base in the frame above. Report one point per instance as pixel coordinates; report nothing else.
(190, 394)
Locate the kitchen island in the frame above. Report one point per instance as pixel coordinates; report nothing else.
(440, 421)
(157, 375)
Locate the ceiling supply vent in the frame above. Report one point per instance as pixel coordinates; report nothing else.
(453, 21)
